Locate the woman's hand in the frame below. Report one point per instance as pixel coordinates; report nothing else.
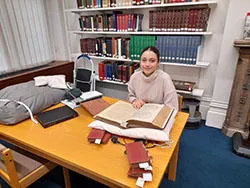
(138, 103)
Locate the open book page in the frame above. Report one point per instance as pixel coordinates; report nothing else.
(151, 115)
(163, 117)
(118, 113)
(147, 112)
(123, 114)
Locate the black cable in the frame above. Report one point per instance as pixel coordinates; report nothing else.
(115, 140)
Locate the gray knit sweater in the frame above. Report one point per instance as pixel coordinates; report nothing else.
(156, 88)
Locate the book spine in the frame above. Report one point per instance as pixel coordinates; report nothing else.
(101, 70)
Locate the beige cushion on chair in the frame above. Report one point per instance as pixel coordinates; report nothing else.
(2, 147)
(24, 164)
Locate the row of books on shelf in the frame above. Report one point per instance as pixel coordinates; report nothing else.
(173, 49)
(106, 47)
(178, 49)
(116, 71)
(179, 19)
(118, 3)
(122, 71)
(111, 22)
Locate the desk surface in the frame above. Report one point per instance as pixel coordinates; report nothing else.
(66, 144)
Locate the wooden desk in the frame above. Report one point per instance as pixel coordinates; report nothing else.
(66, 144)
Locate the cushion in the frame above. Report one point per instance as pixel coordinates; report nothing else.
(36, 98)
(55, 81)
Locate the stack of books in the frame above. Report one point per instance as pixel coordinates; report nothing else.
(98, 136)
(184, 85)
(139, 161)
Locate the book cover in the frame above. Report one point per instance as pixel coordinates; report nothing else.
(135, 172)
(136, 153)
(95, 134)
(101, 70)
(124, 115)
(95, 106)
(106, 137)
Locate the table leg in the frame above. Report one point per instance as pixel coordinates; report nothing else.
(66, 177)
(173, 164)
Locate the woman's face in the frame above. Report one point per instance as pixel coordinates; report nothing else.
(149, 62)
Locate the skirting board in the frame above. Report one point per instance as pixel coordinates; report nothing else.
(216, 114)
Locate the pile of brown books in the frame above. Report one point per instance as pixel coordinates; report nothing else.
(184, 85)
(139, 161)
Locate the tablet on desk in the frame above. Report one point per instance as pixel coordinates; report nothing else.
(56, 115)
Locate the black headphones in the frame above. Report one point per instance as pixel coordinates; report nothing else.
(114, 140)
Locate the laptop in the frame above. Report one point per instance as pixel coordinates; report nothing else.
(54, 116)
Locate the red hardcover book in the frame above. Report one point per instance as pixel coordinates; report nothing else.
(118, 18)
(132, 24)
(136, 153)
(95, 134)
(125, 73)
(126, 22)
(137, 172)
(106, 137)
(101, 70)
(119, 73)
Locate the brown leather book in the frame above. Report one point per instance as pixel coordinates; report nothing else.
(137, 172)
(106, 137)
(95, 134)
(103, 135)
(123, 115)
(95, 106)
(136, 153)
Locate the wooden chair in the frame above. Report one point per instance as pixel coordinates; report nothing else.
(173, 165)
(19, 168)
(180, 98)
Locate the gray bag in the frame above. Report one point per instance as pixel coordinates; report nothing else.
(36, 98)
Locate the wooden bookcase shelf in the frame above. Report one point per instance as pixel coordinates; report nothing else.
(77, 10)
(140, 33)
(197, 65)
(196, 92)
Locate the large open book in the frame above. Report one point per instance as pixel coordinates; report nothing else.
(123, 114)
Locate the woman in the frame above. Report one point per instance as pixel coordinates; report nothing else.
(150, 84)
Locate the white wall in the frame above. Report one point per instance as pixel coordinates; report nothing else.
(227, 62)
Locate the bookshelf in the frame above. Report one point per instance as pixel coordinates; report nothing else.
(75, 33)
(162, 5)
(140, 33)
(196, 92)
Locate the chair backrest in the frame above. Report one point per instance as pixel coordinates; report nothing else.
(20, 170)
(84, 73)
(180, 98)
